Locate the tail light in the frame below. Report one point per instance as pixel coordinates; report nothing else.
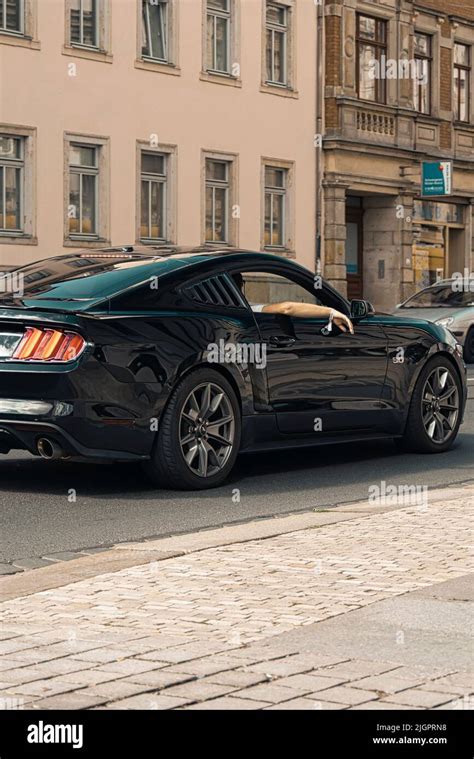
(41, 344)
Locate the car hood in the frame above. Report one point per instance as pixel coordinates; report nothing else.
(431, 314)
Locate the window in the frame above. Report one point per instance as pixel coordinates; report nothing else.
(268, 288)
(275, 207)
(276, 31)
(155, 30)
(462, 81)
(83, 190)
(422, 82)
(218, 36)
(11, 184)
(217, 201)
(371, 54)
(153, 194)
(84, 23)
(12, 16)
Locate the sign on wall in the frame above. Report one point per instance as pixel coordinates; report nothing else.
(437, 178)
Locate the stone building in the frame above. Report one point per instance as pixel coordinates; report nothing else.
(157, 121)
(398, 92)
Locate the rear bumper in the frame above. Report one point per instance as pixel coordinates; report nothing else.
(24, 435)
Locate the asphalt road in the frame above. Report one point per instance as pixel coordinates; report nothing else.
(116, 504)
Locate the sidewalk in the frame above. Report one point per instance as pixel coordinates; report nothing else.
(360, 607)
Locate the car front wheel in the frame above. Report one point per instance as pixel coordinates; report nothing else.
(199, 434)
(435, 409)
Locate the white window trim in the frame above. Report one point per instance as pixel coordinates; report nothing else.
(100, 52)
(171, 153)
(288, 248)
(232, 222)
(27, 234)
(233, 75)
(103, 192)
(288, 89)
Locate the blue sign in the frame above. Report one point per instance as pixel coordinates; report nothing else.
(437, 178)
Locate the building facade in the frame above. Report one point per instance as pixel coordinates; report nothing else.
(398, 92)
(157, 121)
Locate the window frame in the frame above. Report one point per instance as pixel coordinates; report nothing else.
(232, 75)
(26, 233)
(288, 167)
(380, 48)
(96, 13)
(457, 67)
(169, 152)
(27, 37)
(280, 29)
(102, 196)
(101, 51)
(227, 16)
(418, 87)
(18, 164)
(231, 186)
(22, 17)
(166, 4)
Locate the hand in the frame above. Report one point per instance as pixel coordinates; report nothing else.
(343, 322)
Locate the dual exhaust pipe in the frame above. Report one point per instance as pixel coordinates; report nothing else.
(49, 449)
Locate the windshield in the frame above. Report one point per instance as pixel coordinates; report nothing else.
(441, 296)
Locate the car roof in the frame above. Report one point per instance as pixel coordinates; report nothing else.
(85, 278)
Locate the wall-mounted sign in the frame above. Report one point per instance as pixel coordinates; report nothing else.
(437, 178)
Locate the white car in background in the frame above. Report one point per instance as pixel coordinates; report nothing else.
(449, 302)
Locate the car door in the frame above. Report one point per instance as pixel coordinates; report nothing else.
(319, 381)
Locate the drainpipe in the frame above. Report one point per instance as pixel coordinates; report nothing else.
(320, 121)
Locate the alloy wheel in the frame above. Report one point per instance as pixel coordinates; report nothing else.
(207, 429)
(440, 404)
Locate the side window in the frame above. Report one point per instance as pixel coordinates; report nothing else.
(267, 288)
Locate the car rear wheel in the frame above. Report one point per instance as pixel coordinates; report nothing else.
(199, 434)
(469, 347)
(435, 409)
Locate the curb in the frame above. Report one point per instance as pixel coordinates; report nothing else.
(127, 555)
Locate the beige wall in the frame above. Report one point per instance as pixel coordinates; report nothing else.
(124, 103)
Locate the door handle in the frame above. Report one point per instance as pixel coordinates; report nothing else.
(281, 341)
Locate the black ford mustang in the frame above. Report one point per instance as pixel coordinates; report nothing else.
(156, 354)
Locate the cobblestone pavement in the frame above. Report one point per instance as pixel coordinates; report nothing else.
(196, 631)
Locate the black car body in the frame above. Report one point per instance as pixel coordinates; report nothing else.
(147, 318)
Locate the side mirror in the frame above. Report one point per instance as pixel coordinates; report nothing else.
(361, 308)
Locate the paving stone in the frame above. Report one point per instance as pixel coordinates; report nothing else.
(356, 669)
(127, 667)
(310, 682)
(149, 701)
(238, 678)
(227, 703)
(68, 701)
(161, 678)
(417, 697)
(305, 704)
(386, 683)
(270, 692)
(45, 688)
(114, 690)
(199, 690)
(280, 667)
(342, 694)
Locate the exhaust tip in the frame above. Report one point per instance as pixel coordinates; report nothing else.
(49, 449)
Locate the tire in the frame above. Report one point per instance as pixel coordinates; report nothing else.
(181, 434)
(469, 347)
(417, 437)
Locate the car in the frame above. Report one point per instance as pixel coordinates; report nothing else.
(449, 302)
(154, 354)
